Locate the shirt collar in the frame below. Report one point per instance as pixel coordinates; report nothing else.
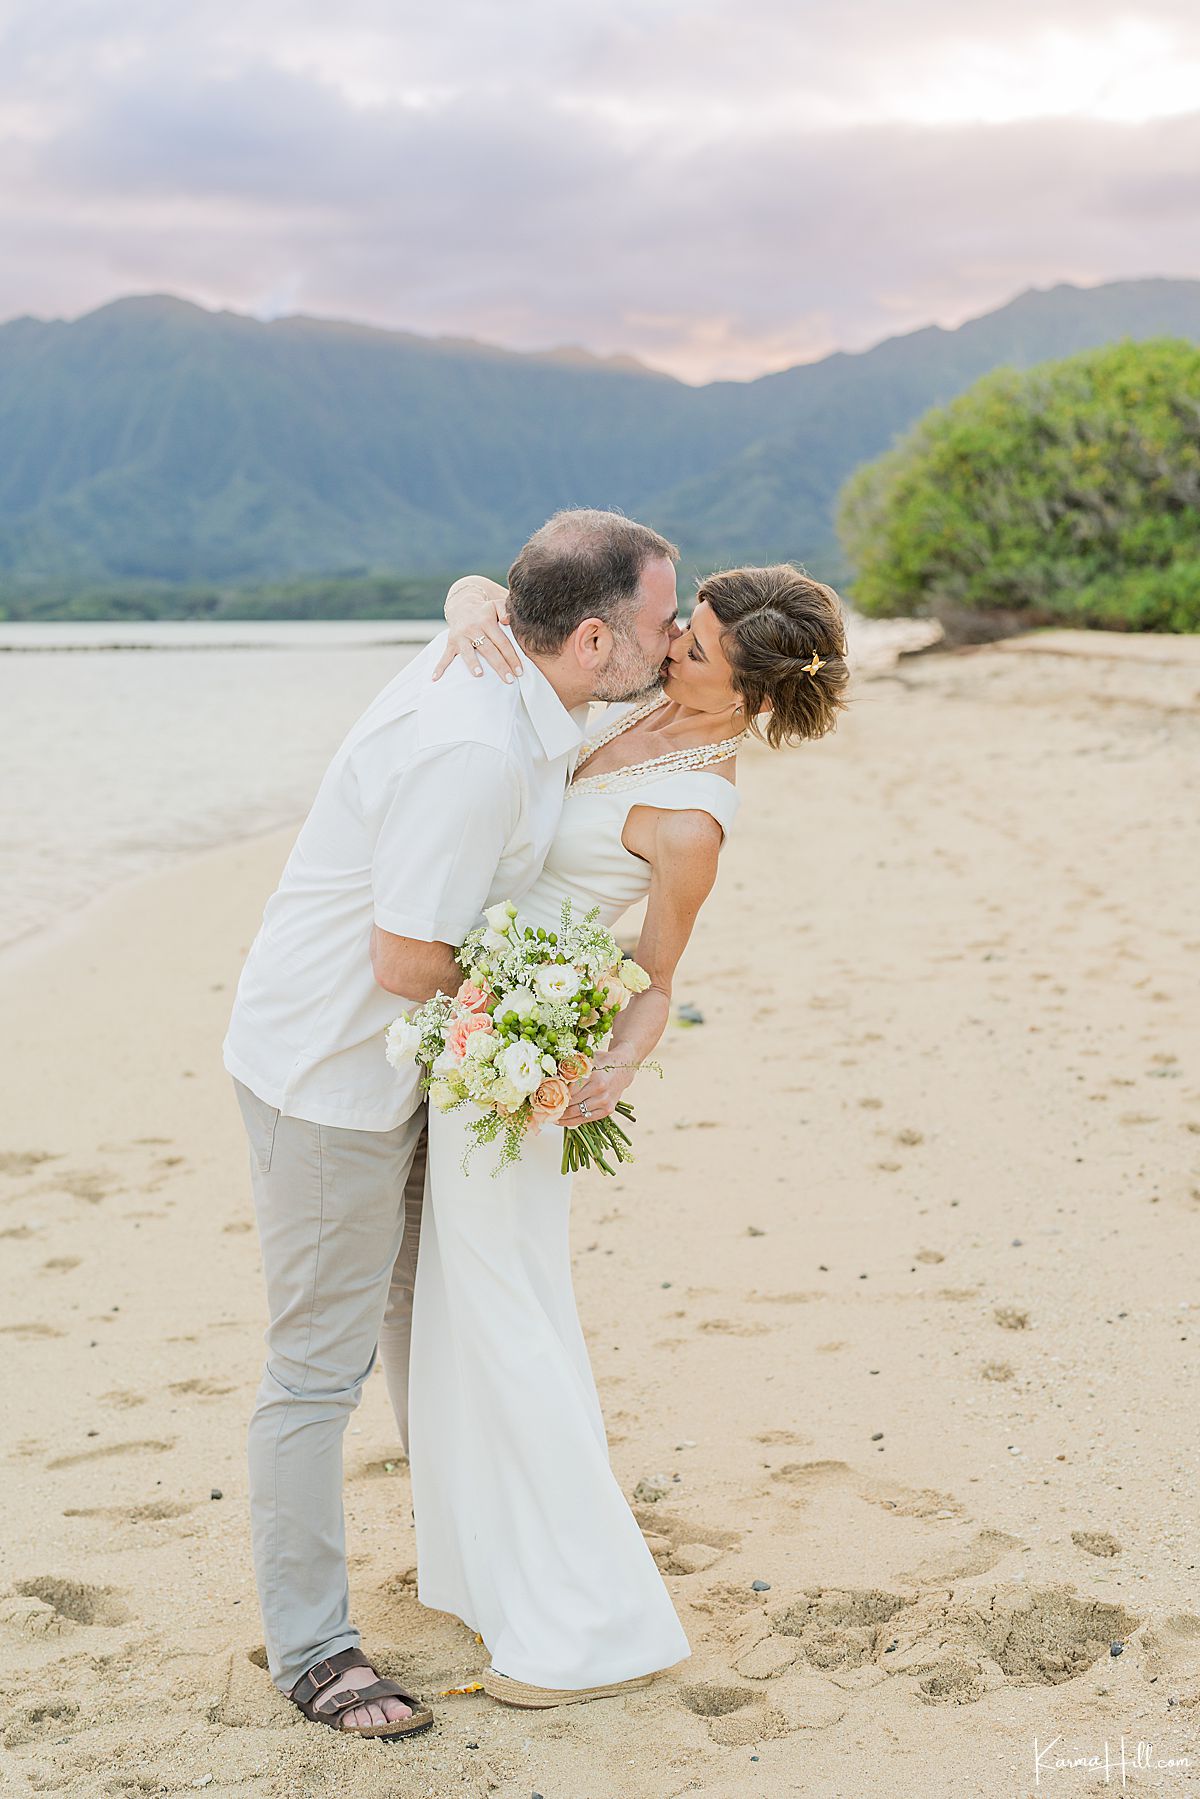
(559, 731)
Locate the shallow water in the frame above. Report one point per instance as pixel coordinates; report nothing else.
(123, 746)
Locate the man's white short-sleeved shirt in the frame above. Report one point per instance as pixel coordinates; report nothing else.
(443, 799)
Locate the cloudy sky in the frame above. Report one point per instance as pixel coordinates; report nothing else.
(719, 186)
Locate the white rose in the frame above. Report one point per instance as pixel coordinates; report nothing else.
(447, 1062)
(503, 1094)
(522, 1063)
(632, 975)
(520, 1000)
(482, 1046)
(402, 1041)
(442, 1095)
(556, 981)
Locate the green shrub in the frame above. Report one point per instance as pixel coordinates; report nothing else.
(1064, 494)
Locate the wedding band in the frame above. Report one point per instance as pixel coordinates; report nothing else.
(584, 1109)
(475, 642)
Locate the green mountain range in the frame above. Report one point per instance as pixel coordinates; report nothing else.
(153, 442)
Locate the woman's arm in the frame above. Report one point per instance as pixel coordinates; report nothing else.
(682, 850)
(475, 610)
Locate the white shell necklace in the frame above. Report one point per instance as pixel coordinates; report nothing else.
(701, 755)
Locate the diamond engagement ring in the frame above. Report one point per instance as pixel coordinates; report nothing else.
(583, 1107)
(476, 642)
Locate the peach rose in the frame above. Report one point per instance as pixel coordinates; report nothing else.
(456, 1038)
(550, 1100)
(574, 1066)
(615, 993)
(473, 998)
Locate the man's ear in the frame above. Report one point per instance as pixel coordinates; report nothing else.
(592, 643)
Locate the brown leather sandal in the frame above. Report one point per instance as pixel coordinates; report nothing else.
(307, 1689)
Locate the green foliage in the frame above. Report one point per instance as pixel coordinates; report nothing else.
(157, 460)
(1067, 494)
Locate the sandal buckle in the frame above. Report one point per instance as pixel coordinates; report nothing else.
(321, 1674)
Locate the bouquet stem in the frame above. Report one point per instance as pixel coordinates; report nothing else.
(588, 1145)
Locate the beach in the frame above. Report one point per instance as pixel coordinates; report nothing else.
(897, 1312)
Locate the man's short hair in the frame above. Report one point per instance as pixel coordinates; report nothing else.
(580, 564)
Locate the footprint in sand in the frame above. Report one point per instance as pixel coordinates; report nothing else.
(728, 1327)
(802, 1298)
(680, 1545)
(30, 1722)
(26, 1333)
(124, 1398)
(47, 1604)
(18, 1233)
(91, 1185)
(904, 1502)
(153, 1511)
(61, 1264)
(740, 1715)
(17, 1162)
(953, 1650)
(977, 1557)
(145, 1445)
(1096, 1542)
(202, 1385)
(1011, 1318)
(1172, 1650)
(238, 1226)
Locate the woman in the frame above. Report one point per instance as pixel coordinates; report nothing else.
(522, 1530)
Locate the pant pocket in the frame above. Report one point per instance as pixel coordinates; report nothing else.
(260, 1121)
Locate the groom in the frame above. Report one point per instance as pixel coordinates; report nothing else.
(443, 799)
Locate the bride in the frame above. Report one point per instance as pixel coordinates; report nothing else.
(522, 1530)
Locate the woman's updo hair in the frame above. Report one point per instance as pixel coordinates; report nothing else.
(772, 621)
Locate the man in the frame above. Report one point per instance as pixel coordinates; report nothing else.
(443, 799)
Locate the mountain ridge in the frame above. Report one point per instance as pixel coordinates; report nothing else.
(156, 441)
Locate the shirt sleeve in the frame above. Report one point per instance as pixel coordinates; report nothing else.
(442, 840)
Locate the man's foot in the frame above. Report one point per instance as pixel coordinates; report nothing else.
(379, 1711)
(325, 1694)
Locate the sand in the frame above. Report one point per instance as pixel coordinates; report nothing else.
(900, 1305)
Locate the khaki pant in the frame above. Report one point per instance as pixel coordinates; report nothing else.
(338, 1220)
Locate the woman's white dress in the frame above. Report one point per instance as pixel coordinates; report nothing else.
(522, 1530)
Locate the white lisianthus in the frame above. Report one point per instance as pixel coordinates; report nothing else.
(522, 1063)
(556, 981)
(550, 1064)
(402, 1041)
(521, 1001)
(632, 975)
(482, 1046)
(443, 1095)
(495, 941)
(500, 917)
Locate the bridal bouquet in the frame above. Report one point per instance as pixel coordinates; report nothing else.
(525, 1027)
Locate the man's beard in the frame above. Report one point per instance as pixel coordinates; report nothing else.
(627, 676)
